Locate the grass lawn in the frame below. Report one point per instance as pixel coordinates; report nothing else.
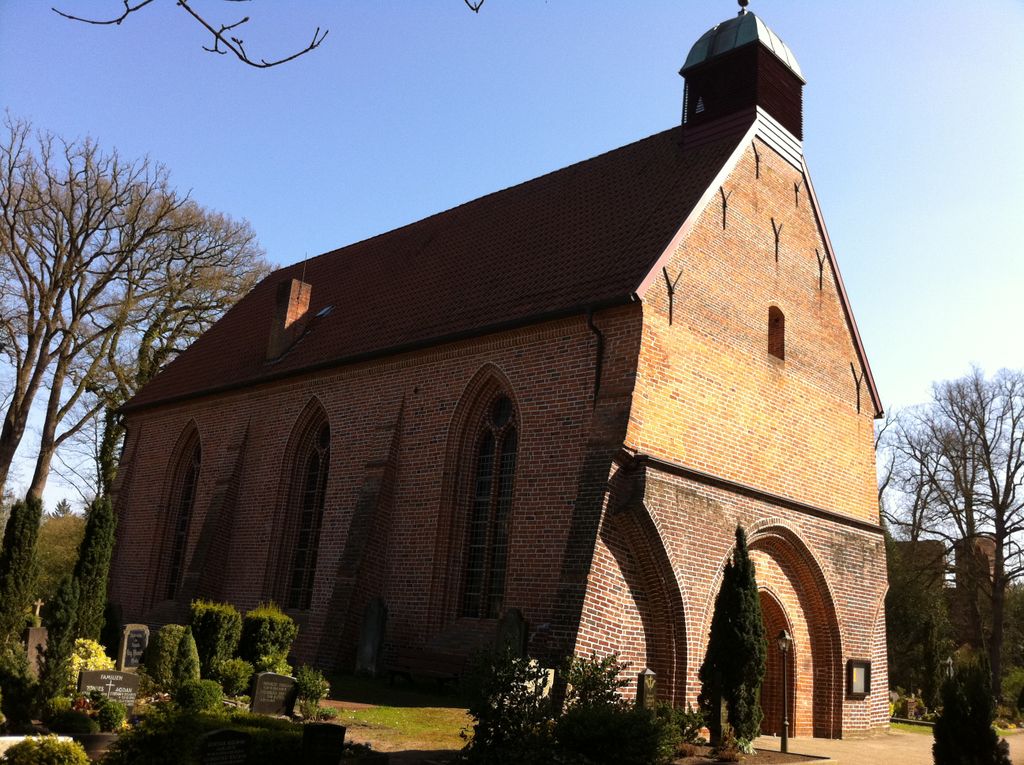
(402, 716)
(926, 730)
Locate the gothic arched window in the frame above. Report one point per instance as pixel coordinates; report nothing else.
(490, 503)
(183, 498)
(307, 508)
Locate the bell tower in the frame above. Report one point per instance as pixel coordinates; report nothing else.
(739, 66)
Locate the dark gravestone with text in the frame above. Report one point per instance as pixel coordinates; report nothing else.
(119, 686)
(134, 639)
(322, 743)
(273, 694)
(224, 747)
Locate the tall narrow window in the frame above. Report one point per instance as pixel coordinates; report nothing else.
(308, 488)
(183, 497)
(776, 333)
(489, 511)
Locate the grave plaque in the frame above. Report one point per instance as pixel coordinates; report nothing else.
(134, 639)
(224, 747)
(322, 743)
(119, 686)
(371, 638)
(273, 694)
(511, 633)
(35, 647)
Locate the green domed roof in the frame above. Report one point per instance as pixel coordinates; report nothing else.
(735, 33)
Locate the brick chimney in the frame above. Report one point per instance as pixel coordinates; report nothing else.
(290, 313)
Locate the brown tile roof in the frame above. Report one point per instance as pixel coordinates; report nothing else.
(585, 235)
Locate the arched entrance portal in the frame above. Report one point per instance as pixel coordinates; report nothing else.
(771, 689)
(795, 595)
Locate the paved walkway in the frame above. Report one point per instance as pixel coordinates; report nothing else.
(894, 747)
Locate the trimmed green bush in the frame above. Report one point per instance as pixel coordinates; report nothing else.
(511, 711)
(267, 637)
(73, 723)
(55, 706)
(159, 656)
(171, 737)
(18, 686)
(45, 750)
(593, 680)
(234, 675)
(88, 655)
(186, 660)
(196, 696)
(110, 715)
(617, 733)
(311, 684)
(217, 628)
(734, 664)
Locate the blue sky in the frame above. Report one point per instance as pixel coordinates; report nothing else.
(912, 119)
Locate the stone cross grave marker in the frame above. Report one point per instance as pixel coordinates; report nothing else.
(371, 638)
(119, 686)
(273, 694)
(134, 639)
(322, 743)
(224, 747)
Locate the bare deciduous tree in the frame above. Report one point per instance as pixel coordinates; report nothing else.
(99, 251)
(959, 471)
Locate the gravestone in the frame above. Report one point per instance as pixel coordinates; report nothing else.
(134, 639)
(35, 647)
(646, 689)
(322, 743)
(119, 686)
(511, 633)
(273, 694)
(224, 747)
(371, 638)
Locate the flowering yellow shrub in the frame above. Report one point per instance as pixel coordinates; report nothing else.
(88, 655)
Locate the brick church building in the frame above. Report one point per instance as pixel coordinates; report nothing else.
(560, 398)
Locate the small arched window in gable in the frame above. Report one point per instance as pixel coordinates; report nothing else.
(776, 333)
(494, 467)
(308, 491)
(183, 498)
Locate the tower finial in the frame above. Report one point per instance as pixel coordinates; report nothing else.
(743, 6)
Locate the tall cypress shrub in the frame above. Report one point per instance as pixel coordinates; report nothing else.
(186, 660)
(734, 665)
(60, 640)
(93, 566)
(18, 567)
(963, 731)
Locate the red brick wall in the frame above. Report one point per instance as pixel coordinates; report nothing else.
(710, 396)
(550, 372)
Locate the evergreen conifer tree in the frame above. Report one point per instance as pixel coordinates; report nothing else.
(60, 640)
(18, 567)
(93, 566)
(963, 731)
(734, 664)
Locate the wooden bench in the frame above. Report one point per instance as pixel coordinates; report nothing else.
(425, 663)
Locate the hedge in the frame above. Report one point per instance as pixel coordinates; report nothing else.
(216, 628)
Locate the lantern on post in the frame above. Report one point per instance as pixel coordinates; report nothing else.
(783, 641)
